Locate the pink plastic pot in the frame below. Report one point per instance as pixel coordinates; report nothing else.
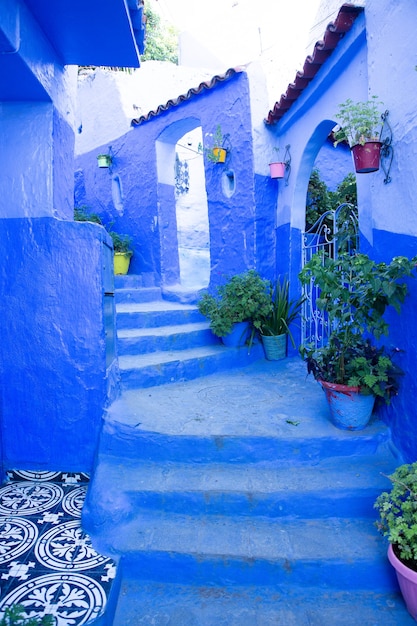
(407, 580)
(277, 170)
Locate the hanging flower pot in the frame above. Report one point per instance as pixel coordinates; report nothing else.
(277, 169)
(219, 155)
(349, 409)
(366, 157)
(104, 160)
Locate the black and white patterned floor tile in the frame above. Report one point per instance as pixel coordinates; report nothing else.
(47, 562)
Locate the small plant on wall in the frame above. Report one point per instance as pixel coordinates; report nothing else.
(214, 147)
(360, 126)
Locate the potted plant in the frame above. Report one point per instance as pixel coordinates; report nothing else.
(233, 306)
(274, 327)
(123, 252)
(355, 292)
(276, 167)
(360, 126)
(214, 148)
(397, 521)
(82, 214)
(104, 160)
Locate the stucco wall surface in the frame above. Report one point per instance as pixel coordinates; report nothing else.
(144, 167)
(53, 346)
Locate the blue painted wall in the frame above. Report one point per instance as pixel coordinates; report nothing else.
(241, 223)
(57, 362)
(362, 65)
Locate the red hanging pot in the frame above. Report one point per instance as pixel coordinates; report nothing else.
(367, 157)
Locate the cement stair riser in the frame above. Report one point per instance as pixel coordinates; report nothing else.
(130, 443)
(206, 605)
(183, 365)
(145, 343)
(131, 295)
(152, 319)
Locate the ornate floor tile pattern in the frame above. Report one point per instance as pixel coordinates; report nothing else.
(47, 562)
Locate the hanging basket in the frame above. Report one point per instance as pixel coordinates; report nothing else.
(277, 169)
(349, 409)
(367, 157)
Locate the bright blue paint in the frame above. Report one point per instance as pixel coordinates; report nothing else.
(241, 226)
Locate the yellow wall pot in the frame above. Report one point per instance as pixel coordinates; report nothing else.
(121, 262)
(219, 155)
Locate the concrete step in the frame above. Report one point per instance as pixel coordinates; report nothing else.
(196, 549)
(132, 295)
(144, 602)
(168, 366)
(178, 337)
(334, 487)
(156, 313)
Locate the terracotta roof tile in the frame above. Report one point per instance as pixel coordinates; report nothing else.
(191, 93)
(335, 31)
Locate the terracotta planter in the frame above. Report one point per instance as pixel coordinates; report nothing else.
(349, 410)
(407, 580)
(367, 157)
(277, 170)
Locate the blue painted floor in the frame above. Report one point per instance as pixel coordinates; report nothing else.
(47, 562)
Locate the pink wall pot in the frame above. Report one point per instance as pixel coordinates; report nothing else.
(349, 409)
(277, 170)
(407, 580)
(367, 157)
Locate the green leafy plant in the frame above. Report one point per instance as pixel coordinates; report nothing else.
(359, 122)
(397, 510)
(121, 243)
(15, 616)
(213, 143)
(355, 292)
(283, 311)
(82, 214)
(242, 298)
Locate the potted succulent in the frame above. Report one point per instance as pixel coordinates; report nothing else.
(123, 252)
(274, 327)
(355, 292)
(397, 521)
(233, 306)
(215, 149)
(360, 126)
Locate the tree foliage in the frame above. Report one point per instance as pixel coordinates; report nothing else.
(161, 40)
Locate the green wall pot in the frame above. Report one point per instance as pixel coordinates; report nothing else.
(349, 410)
(407, 580)
(237, 338)
(275, 346)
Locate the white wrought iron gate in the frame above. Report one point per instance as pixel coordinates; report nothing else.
(335, 232)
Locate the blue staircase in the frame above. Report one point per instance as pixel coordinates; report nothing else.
(161, 341)
(227, 497)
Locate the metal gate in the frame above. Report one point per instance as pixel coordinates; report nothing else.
(335, 232)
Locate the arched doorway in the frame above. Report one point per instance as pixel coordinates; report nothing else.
(182, 208)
